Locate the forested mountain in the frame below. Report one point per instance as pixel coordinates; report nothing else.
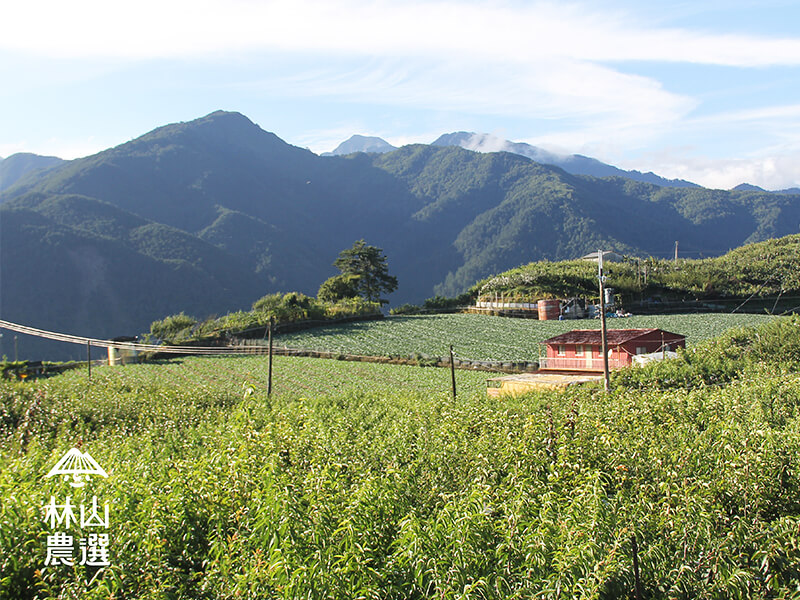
(207, 216)
(571, 163)
(361, 143)
(16, 166)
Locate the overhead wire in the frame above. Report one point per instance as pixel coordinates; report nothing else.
(101, 343)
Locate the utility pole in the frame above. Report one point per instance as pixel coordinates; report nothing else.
(603, 337)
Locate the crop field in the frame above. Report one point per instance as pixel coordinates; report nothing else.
(358, 480)
(480, 337)
(294, 376)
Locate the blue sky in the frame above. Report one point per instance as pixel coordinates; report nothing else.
(705, 91)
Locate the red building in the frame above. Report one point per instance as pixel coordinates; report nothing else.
(580, 349)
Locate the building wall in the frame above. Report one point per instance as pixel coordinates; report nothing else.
(619, 356)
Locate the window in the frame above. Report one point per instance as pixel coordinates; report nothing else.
(579, 350)
(641, 349)
(562, 350)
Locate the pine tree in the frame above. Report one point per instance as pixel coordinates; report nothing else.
(367, 265)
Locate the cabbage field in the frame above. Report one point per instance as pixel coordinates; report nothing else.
(357, 480)
(482, 337)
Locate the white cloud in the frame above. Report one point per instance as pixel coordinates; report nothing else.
(534, 61)
(769, 172)
(511, 32)
(616, 103)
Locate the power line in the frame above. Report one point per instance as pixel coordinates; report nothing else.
(74, 339)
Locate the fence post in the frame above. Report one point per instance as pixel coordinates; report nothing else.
(269, 377)
(637, 584)
(89, 357)
(453, 371)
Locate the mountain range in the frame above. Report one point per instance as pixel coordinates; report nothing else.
(484, 142)
(206, 216)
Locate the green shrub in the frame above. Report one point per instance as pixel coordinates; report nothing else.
(173, 327)
(406, 309)
(721, 359)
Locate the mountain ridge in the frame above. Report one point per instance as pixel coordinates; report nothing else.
(575, 164)
(220, 212)
(17, 166)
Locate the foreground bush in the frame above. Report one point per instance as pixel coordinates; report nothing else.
(220, 492)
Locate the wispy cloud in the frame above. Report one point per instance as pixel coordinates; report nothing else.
(769, 172)
(511, 31)
(575, 66)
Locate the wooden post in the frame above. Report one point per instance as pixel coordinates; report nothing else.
(639, 274)
(637, 584)
(453, 371)
(603, 337)
(269, 376)
(89, 357)
(16, 355)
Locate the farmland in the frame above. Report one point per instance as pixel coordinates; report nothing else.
(481, 337)
(357, 480)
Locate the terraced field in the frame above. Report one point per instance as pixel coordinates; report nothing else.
(480, 337)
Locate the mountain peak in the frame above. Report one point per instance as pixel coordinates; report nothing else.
(747, 187)
(16, 166)
(362, 143)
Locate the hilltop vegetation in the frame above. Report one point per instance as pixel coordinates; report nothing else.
(765, 270)
(207, 216)
(282, 309)
(357, 480)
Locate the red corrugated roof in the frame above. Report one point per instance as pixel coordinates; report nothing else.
(614, 337)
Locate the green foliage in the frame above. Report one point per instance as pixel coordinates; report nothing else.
(435, 304)
(339, 287)
(765, 269)
(722, 359)
(365, 269)
(292, 307)
(358, 480)
(441, 302)
(406, 309)
(351, 307)
(174, 327)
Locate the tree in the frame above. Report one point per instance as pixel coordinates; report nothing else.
(339, 287)
(364, 270)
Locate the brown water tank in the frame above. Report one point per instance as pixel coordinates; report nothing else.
(549, 310)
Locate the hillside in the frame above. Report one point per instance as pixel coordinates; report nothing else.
(207, 216)
(765, 273)
(17, 166)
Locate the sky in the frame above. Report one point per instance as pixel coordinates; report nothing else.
(707, 91)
